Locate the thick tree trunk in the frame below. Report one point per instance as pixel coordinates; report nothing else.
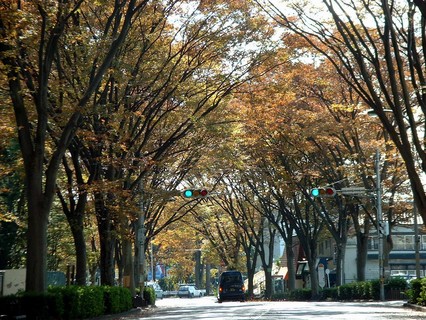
(313, 273)
(268, 283)
(107, 241)
(129, 270)
(291, 268)
(81, 253)
(36, 273)
(361, 255)
(340, 271)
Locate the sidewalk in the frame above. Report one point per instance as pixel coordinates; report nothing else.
(135, 313)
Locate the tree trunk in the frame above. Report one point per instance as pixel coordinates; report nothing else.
(129, 270)
(107, 241)
(268, 283)
(208, 278)
(361, 254)
(36, 273)
(80, 251)
(340, 270)
(313, 273)
(291, 268)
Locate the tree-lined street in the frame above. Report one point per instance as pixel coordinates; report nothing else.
(260, 110)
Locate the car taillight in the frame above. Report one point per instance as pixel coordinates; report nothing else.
(220, 289)
(243, 288)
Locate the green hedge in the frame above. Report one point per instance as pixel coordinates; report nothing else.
(362, 290)
(72, 302)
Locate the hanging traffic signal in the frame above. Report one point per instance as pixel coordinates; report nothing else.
(195, 193)
(323, 192)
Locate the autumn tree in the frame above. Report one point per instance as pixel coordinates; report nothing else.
(172, 88)
(376, 48)
(47, 121)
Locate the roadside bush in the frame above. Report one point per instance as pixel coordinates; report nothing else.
(117, 299)
(413, 292)
(276, 296)
(330, 294)
(41, 306)
(71, 302)
(396, 283)
(375, 289)
(363, 290)
(92, 302)
(421, 299)
(149, 295)
(300, 295)
(345, 291)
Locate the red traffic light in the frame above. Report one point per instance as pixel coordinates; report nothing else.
(329, 192)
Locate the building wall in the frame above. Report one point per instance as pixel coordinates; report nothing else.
(401, 259)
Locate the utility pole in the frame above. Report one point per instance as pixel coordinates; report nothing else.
(416, 241)
(379, 226)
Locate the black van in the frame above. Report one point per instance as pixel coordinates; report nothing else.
(231, 286)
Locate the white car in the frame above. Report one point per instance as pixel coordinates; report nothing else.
(157, 289)
(189, 291)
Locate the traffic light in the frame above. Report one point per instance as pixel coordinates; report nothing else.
(195, 193)
(323, 192)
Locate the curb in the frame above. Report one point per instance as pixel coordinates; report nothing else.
(415, 307)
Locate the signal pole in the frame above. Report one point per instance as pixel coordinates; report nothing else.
(379, 226)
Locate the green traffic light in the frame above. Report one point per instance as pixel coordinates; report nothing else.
(188, 193)
(315, 192)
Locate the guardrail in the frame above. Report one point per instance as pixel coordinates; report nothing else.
(170, 293)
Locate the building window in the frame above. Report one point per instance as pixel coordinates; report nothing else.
(422, 242)
(403, 242)
(373, 244)
(321, 248)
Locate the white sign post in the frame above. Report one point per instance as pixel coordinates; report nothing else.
(321, 275)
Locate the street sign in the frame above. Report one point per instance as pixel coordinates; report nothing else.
(353, 190)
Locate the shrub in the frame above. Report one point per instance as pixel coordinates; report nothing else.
(117, 299)
(70, 301)
(330, 293)
(396, 283)
(275, 296)
(421, 299)
(92, 303)
(413, 293)
(41, 306)
(363, 290)
(300, 295)
(375, 289)
(11, 305)
(149, 295)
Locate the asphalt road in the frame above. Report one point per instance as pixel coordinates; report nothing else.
(207, 308)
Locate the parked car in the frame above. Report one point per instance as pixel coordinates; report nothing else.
(189, 291)
(158, 291)
(231, 286)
